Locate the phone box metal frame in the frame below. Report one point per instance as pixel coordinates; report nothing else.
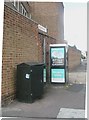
(59, 63)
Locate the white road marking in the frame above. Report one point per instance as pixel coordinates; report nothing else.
(71, 113)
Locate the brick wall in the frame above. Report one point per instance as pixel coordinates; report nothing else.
(20, 44)
(74, 58)
(50, 15)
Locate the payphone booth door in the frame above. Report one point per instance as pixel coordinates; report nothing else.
(58, 63)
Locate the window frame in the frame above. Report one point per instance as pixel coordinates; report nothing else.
(16, 4)
(23, 10)
(19, 5)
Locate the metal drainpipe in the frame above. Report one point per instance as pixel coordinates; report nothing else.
(44, 52)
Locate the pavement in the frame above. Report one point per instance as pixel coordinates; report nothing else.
(59, 101)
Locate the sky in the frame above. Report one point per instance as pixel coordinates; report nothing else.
(75, 24)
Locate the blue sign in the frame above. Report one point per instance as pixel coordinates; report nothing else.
(44, 75)
(57, 56)
(58, 75)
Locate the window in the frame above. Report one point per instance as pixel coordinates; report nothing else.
(19, 6)
(23, 10)
(16, 4)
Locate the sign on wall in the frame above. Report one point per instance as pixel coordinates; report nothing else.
(42, 28)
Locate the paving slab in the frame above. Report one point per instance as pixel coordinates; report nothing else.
(55, 98)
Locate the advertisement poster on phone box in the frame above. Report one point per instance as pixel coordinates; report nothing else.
(58, 75)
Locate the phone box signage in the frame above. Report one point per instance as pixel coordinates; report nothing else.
(57, 56)
(44, 75)
(58, 75)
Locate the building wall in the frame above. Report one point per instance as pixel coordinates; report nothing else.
(60, 23)
(51, 16)
(20, 44)
(74, 57)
